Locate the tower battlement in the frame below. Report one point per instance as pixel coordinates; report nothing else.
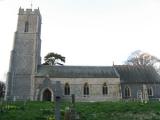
(29, 11)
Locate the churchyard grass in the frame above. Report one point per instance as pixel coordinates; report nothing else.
(87, 110)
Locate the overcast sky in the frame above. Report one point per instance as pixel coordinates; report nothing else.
(86, 32)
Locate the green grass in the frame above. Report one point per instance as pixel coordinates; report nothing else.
(119, 111)
(86, 110)
(26, 111)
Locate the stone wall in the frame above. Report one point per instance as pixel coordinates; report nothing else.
(95, 88)
(135, 87)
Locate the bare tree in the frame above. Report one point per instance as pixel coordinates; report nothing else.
(2, 89)
(142, 58)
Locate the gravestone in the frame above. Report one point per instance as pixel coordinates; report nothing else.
(57, 99)
(145, 94)
(139, 95)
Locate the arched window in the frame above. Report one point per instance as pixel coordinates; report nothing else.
(26, 26)
(105, 89)
(66, 89)
(150, 91)
(86, 89)
(127, 92)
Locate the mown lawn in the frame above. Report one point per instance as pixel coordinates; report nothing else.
(87, 111)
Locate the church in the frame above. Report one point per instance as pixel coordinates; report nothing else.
(28, 79)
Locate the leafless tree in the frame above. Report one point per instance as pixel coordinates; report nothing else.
(142, 58)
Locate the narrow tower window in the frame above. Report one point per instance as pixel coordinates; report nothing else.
(86, 89)
(66, 89)
(26, 27)
(105, 89)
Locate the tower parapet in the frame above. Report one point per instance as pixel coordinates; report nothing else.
(29, 11)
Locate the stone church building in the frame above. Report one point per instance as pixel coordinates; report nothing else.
(29, 79)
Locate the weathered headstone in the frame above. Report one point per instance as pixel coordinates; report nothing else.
(145, 94)
(139, 95)
(70, 112)
(73, 99)
(57, 99)
(67, 113)
(73, 113)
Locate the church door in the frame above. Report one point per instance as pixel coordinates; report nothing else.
(47, 95)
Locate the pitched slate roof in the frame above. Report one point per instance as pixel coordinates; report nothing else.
(77, 71)
(137, 74)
